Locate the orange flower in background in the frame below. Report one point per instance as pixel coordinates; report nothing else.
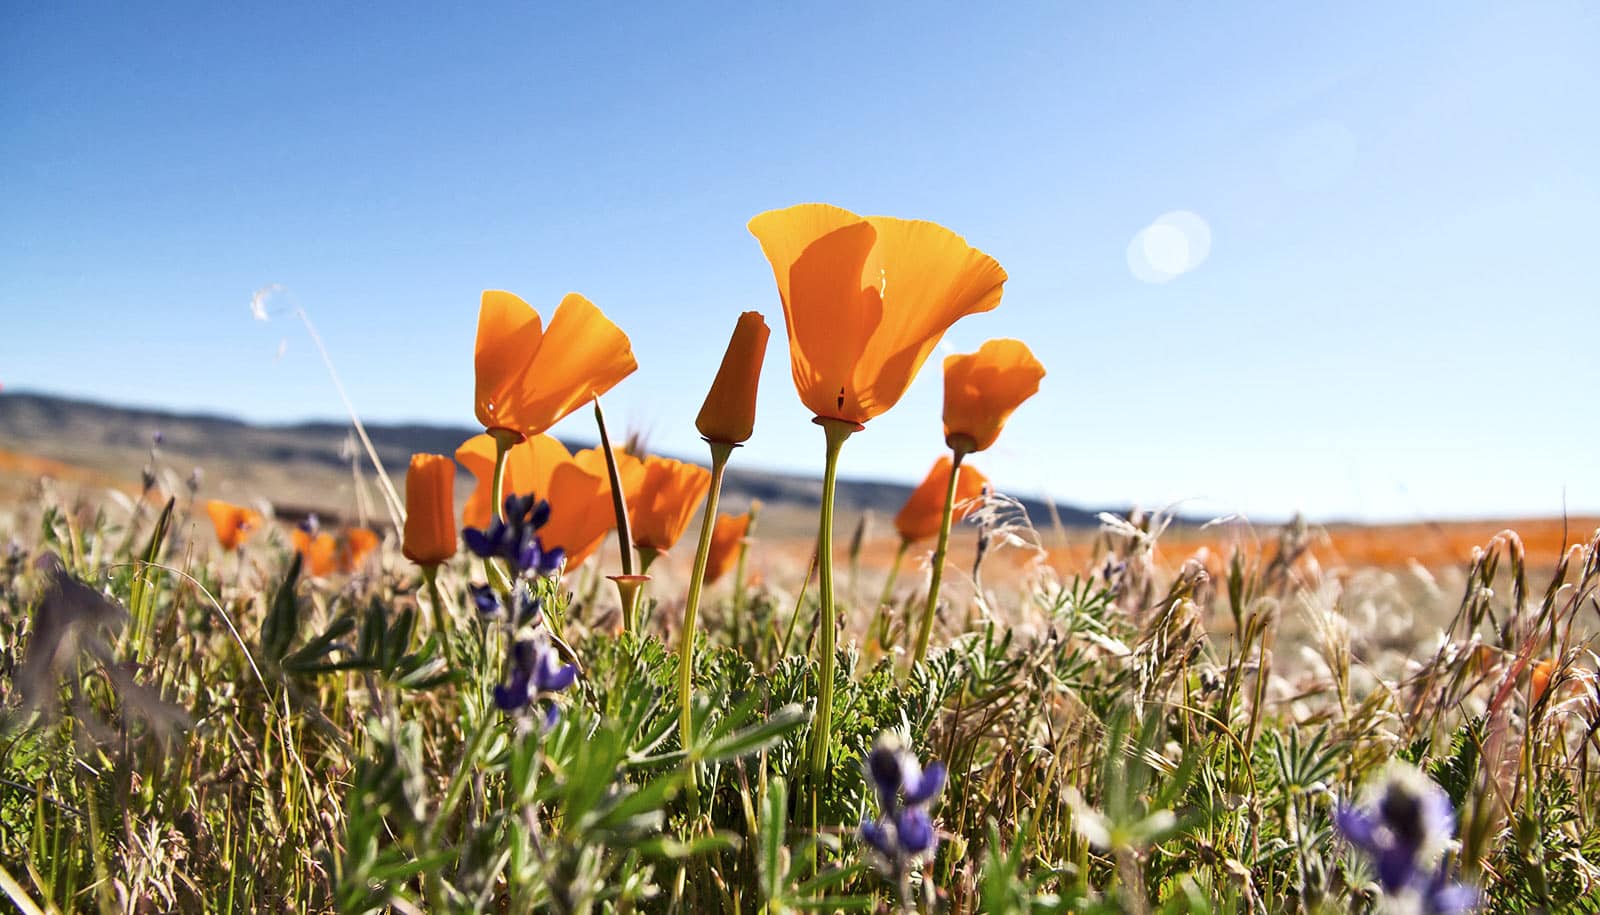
(234, 523)
(923, 512)
(1541, 678)
(430, 536)
(579, 497)
(529, 377)
(981, 390)
(726, 537)
(729, 414)
(667, 496)
(866, 299)
(324, 554)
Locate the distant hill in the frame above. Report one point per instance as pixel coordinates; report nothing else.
(308, 465)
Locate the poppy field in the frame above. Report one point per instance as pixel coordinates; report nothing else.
(587, 688)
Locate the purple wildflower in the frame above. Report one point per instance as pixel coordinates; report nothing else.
(904, 829)
(1404, 829)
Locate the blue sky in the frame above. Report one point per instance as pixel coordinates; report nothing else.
(1398, 316)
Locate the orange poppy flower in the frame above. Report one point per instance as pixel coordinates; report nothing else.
(729, 413)
(234, 523)
(325, 554)
(726, 537)
(923, 512)
(580, 498)
(666, 499)
(982, 388)
(430, 536)
(866, 299)
(530, 377)
(1542, 672)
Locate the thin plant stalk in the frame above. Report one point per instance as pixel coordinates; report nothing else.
(619, 504)
(441, 616)
(887, 597)
(822, 724)
(939, 553)
(720, 451)
(738, 576)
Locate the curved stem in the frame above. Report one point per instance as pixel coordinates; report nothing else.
(932, 607)
(697, 579)
(738, 577)
(503, 440)
(822, 724)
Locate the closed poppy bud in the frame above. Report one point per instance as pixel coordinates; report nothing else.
(981, 389)
(234, 523)
(923, 512)
(726, 537)
(430, 509)
(729, 413)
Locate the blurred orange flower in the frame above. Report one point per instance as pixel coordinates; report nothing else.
(667, 496)
(430, 535)
(530, 377)
(981, 390)
(325, 554)
(866, 299)
(234, 523)
(726, 537)
(923, 512)
(579, 497)
(729, 413)
(1541, 678)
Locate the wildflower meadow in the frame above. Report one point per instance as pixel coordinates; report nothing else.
(579, 691)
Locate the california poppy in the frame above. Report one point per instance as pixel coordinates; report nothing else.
(726, 538)
(865, 300)
(323, 554)
(1542, 672)
(923, 511)
(729, 413)
(430, 535)
(529, 377)
(981, 390)
(668, 494)
(579, 497)
(234, 523)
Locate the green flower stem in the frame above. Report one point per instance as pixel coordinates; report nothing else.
(821, 726)
(921, 654)
(720, 451)
(887, 597)
(503, 440)
(441, 616)
(738, 576)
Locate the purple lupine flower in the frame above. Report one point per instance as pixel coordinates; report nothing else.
(524, 606)
(903, 829)
(1404, 829)
(535, 671)
(515, 539)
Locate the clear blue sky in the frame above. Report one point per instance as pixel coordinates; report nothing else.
(1399, 316)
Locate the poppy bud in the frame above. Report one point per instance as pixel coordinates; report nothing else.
(729, 413)
(430, 536)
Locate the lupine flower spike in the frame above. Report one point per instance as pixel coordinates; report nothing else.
(903, 833)
(1404, 828)
(534, 672)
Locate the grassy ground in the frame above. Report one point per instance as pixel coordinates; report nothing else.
(1130, 723)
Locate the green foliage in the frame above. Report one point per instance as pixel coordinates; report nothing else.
(253, 739)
